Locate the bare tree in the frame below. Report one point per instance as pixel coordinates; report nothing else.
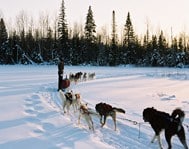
(147, 30)
(103, 33)
(77, 29)
(22, 22)
(44, 24)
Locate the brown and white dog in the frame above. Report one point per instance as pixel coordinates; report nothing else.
(76, 100)
(70, 99)
(172, 124)
(106, 110)
(85, 112)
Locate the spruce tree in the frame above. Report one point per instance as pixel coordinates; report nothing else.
(4, 52)
(129, 36)
(113, 55)
(63, 34)
(13, 42)
(90, 26)
(89, 49)
(3, 32)
(155, 55)
(129, 41)
(162, 45)
(161, 51)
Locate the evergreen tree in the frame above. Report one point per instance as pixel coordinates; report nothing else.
(171, 56)
(90, 50)
(30, 42)
(154, 55)
(129, 41)
(129, 36)
(114, 34)
(113, 55)
(180, 44)
(90, 27)
(4, 50)
(3, 32)
(181, 54)
(63, 34)
(161, 50)
(13, 41)
(48, 45)
(162, 44)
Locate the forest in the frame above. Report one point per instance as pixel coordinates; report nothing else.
(27, 43)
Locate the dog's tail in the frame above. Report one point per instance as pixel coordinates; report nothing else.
(118, 110)
(178, 115)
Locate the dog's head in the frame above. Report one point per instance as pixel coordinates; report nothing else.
(77, 95)
(148, 113)
(68, 95)
(83, 108)
(178, 115)
(97, 107)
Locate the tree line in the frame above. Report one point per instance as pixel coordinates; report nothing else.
(84, 46)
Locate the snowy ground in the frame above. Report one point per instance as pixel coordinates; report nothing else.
(31, 113)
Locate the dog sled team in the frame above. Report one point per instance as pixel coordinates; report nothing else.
(158, 120)
(103, 110)
(81, 76)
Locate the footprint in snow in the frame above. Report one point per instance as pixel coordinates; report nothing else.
(38, 108)
(35, 97)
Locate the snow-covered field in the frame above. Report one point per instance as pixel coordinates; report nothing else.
(31, 113)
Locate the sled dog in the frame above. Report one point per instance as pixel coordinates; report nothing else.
(106, 110)
(69, 99)
(86, 114)
(172, 124)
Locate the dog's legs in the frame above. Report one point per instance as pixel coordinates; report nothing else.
(168, 136)
(90, 123)
(182, 138)
(114, 119)
(87, 119)
(159, 141)
(64, 105)
(68, 108)
(79, 117)
(74, 106)
(104, 121)
(100, 119)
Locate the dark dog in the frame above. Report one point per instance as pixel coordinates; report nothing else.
(107, 110)
(172, 124)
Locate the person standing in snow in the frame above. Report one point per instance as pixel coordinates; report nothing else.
(60, 73)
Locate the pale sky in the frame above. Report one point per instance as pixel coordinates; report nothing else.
(161, 14)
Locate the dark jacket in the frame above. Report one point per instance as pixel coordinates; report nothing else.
(60, 67)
